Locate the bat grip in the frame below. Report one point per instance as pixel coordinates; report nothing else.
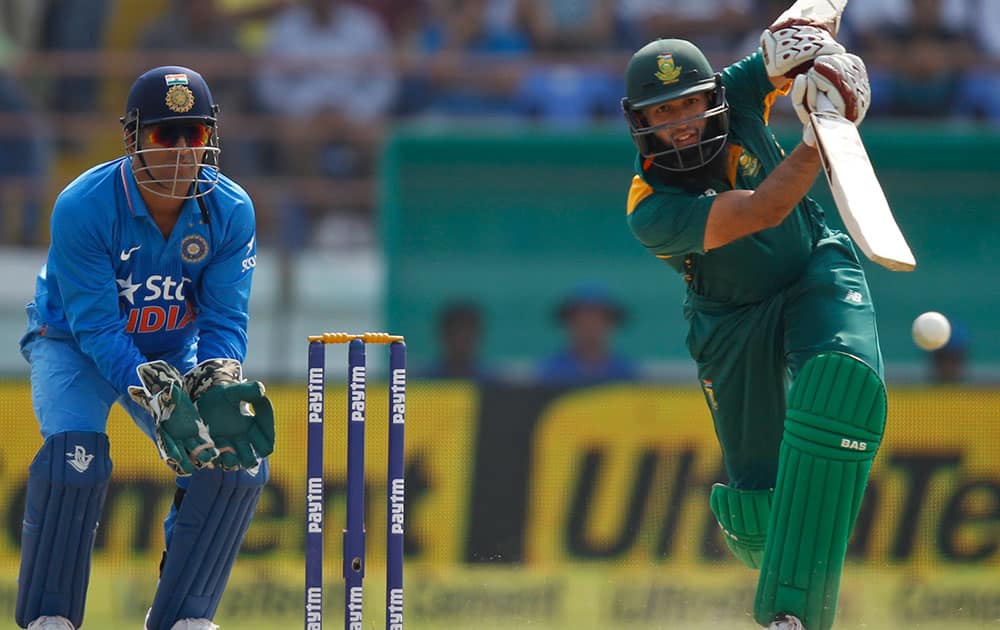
(824, 104)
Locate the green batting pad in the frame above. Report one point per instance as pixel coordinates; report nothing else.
(834, 423)
(743, 517)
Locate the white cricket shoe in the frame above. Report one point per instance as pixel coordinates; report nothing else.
(788, 622)
(51, 623)
(183, 624)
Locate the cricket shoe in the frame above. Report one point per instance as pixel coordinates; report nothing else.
(185, 624)
(51, 623)
(786, 622)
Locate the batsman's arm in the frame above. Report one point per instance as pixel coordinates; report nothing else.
(738, 213)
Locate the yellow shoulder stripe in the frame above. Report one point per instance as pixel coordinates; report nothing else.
(733, 163)
(637, 192)
(773, 96)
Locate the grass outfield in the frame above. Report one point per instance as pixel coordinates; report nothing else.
(268, 596)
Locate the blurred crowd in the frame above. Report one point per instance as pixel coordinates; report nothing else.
(308, 87)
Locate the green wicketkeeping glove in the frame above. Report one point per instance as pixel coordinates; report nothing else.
(182, 438)
(239, 415)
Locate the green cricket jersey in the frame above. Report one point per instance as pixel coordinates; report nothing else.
(757, 308)
(670, 222)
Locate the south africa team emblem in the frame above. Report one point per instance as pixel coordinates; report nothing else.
(194, 248)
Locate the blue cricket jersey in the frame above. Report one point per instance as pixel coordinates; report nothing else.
(125, 294)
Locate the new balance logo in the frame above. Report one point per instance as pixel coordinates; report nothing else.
(126, 254)
(79, 459)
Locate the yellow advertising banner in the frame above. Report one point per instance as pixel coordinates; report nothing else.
(597, 499)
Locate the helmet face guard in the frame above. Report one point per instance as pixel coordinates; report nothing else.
(667, 70)
(660, 147)
(167, 105)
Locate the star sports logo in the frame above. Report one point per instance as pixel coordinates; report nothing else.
(157, 304)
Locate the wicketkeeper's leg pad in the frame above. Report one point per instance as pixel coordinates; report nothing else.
(207, 531)
(743, 517)
(833, 427)
(67, 483)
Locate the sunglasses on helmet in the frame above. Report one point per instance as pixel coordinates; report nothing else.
(170, 134)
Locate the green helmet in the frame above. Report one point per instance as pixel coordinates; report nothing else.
(664, 70)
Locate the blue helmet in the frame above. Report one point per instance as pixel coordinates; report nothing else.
(169, 93)
(173, 95)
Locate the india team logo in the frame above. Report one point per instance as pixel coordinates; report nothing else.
(194, 248)
(180, 99)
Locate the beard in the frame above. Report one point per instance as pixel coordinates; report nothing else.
(710, 174)
(695, 180)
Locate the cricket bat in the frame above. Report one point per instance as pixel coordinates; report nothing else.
(826, 12)
(856, 190)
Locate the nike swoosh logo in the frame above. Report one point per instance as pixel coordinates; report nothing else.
(126, 254)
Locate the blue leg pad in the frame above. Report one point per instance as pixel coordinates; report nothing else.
(67, 483)
(202, 544)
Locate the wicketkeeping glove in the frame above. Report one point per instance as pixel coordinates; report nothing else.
(239, 415)
(182, 438)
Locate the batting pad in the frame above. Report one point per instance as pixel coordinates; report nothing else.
(743, 516)
(67, 483)
(834, 422)
(213, 517)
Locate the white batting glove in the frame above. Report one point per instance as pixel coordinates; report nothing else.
(843, 79)
(808, 135)
(791, 46)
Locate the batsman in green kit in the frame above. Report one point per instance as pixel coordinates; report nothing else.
(781, 322)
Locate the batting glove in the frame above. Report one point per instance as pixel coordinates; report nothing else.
(842, 79)
(790, 47)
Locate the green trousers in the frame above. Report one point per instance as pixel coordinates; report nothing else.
(747, 355)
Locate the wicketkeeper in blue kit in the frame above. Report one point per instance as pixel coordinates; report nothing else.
(143, 301)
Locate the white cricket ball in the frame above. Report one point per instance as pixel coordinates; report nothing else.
(931, 330)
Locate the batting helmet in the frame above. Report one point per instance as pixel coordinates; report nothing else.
(664, 70)
(168, 104)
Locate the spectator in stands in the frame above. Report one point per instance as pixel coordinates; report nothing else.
(590, 316)
(329, 77)
(24, 157)
(571, 92)
(463, 51)
(20, 21)
(71, 26)
(252, 18)
(719, 26)
(948, 364)
(459, 337)
(916, 51)
(979, 93)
